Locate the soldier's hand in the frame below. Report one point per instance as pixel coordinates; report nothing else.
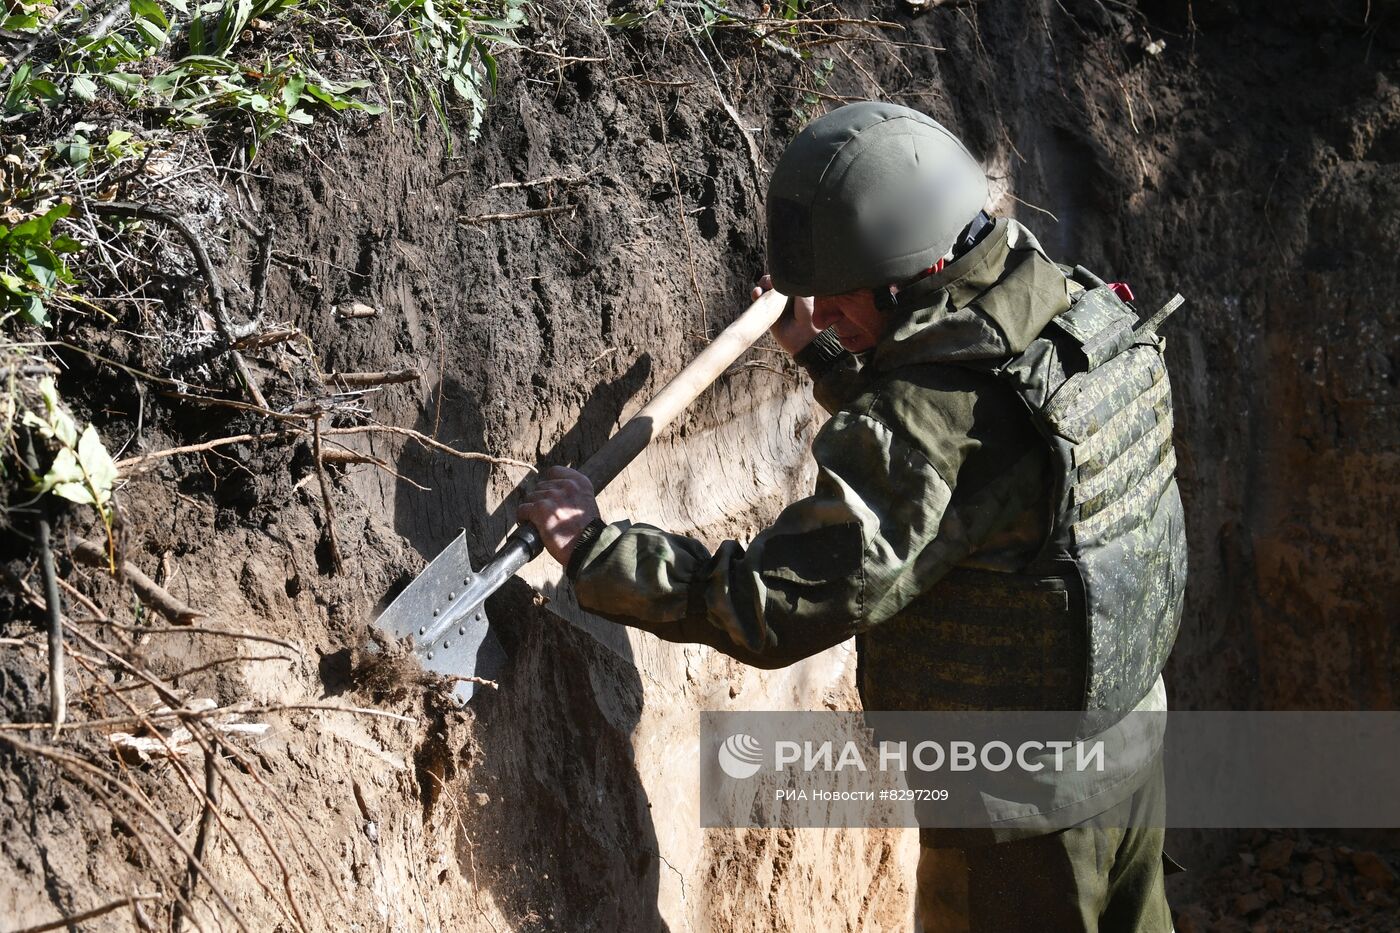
(794, 329)
(560, 506)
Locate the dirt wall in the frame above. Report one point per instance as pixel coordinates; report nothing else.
(1249, 164)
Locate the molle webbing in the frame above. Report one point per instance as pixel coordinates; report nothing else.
(1088, 623)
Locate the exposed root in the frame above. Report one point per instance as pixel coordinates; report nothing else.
(150, 592)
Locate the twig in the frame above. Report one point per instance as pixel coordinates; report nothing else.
(354, 456)
(58, 702)
(536, 182)
(216, 292)
(1033, 207)
(199, 714)
(426, 441)
(23, 54)
(364, 380)
(268, 338)
(518, 215)
(260, 271)
(201, 839)
(89, 775)
(64, 923)
(337, 564)
(96, 610)
(150, 592)
(653, 82)
(471, 679)
(204, 667)
(132, 465)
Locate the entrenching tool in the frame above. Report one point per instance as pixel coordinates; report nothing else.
(444, 608)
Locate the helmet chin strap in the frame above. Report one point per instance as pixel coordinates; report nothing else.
(886, 297)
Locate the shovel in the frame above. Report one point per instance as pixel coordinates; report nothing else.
(444, 608)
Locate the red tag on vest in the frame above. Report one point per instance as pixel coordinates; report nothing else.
(1122, 290)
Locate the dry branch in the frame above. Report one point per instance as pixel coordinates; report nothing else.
(206, 268)
(201, 840)
(267, 338)
(337, 563)
(356, 310)
(150, 592)
(195, 630)
(92, 777)
(517, 215)
(63, 923)
(58, 702)
(426, 441)
(546, 180)
(132, 465)
(348, 456)
(365, 380)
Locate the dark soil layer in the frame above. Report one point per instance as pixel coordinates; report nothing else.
(1253, 164)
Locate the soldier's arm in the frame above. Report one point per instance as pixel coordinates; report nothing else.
(848, 556)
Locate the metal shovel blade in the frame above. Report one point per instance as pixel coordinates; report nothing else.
(444, 611)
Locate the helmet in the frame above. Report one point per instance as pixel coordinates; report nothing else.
(868, 195)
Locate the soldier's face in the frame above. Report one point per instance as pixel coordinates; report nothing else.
(858, 322)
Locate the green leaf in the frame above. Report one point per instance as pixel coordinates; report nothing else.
(65, 478)
(20, 22)
(150, 10)
(41, 227)
(66, 244)
(291, 91)
(199, 42)
(33, 311)
(207, 64)
(123, 82)
(628, 20)
(19, 86)
(46, 89)
(56, 423)
(153, 35)
(97, 464)
(42, 265)
(83, 88)
(13, 284)
(232, 19)
(77, 151)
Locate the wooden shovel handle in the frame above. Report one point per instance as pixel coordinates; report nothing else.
(646, 425)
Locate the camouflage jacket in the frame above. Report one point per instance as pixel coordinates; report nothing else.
(922, 467)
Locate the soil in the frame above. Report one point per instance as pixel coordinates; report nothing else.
(1253, 164)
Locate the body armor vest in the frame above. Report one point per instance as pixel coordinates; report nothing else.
(1087, 624)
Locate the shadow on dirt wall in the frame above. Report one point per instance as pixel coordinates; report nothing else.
(1253, 168)
(565, 814)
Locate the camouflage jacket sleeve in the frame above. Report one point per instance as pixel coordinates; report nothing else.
(847, 557)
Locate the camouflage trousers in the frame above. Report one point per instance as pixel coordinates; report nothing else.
(1102, 876)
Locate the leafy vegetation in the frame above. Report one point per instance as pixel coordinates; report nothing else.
(32, 265)
(454, 45)
(82, 470)
(134, 63)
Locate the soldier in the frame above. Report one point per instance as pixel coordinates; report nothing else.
(995, 516)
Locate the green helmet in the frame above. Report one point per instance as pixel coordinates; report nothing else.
(868, 195)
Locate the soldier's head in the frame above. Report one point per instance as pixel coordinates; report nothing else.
(869, 196)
